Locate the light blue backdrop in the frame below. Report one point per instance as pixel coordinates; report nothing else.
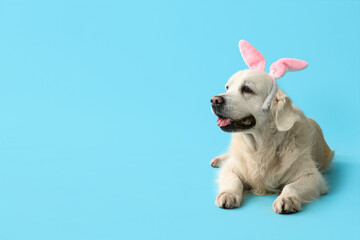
(105, 123)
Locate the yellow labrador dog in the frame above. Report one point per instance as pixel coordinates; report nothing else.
(275, 148)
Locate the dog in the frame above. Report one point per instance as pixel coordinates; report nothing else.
(275, 148)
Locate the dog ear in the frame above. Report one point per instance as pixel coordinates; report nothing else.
(252, 57)
(283, 65)
(284, 113)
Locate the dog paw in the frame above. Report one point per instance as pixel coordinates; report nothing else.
(228, 200)
(286, 205)
(216, 162)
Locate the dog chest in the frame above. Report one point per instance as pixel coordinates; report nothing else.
(260, 173)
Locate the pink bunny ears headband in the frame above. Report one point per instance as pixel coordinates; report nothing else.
(256, 61)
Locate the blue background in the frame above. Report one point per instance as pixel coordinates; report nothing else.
(105, 123)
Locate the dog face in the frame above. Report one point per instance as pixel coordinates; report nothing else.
(240, 107)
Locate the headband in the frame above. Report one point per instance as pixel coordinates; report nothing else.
(256, 61)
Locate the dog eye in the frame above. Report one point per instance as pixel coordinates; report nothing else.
(227, 87)
(246, 89)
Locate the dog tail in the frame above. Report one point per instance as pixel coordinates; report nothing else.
(329, 156)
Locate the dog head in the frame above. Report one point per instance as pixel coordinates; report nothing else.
(250, 94)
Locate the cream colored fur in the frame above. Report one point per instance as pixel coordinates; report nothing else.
(284, 153)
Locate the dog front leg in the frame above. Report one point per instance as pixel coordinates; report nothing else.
(218, 161)
(230, 188)
(306, 188)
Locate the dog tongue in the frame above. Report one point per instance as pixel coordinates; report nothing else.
(222, 122)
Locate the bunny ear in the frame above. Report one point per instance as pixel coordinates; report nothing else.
(283, 65)
(252, 57)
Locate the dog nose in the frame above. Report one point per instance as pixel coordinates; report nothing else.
(217, 100)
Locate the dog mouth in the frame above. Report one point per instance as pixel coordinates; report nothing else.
(223, 122)
(230, 125)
